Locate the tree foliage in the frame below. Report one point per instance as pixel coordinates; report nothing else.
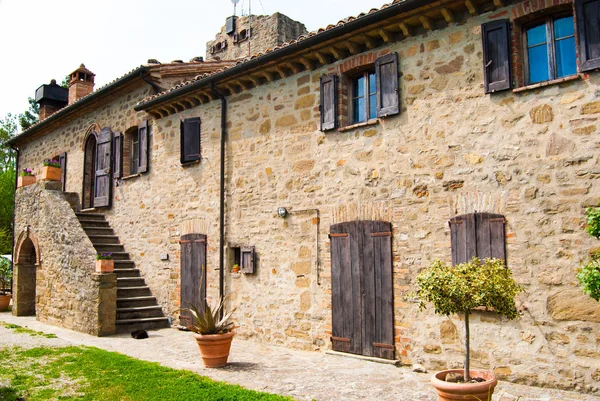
(30, 116)
(589, 274)
(8, 128)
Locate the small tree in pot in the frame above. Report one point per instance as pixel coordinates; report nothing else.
(462, 288)
(5, 278)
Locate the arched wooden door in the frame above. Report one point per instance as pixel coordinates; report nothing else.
(362, 288)
(193, 273)
(89, 172)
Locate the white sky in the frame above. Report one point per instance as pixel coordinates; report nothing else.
(45, 39)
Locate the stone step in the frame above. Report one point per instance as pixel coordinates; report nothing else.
(103, 247)
(130, 282)
(90, 216)
(136, 302)
(124, 264)
(139, 312)
(140, 291)
(120, 255)
(151, 323)
(98, 231)
(103, 239)
(127, 272)
(87, 223)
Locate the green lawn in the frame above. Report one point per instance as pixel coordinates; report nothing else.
(86, 373)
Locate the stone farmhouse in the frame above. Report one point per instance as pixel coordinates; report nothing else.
(333, 167)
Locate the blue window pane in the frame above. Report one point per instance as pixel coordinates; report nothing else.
(359, 87)
(538, 64)
(564, 27)
(372, 84)
(359, 110)
(565, 57)
(373, 106)
(536, 35)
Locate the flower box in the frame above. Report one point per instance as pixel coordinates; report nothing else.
(25, 180)
(105, 266)
(51, 173)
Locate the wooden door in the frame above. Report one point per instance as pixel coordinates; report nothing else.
(193, 273)
(102, 178)
(362, 288)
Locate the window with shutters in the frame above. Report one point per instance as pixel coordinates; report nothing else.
(243, 256)
(62, 159)
(368, 92)
(131, 152)
(480, 235)
(190, 140)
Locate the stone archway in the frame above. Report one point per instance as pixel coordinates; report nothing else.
(24, 276)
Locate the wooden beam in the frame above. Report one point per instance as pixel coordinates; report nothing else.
(255, 81)
(292, 67)
(369, 42)
(499, 3)
(448, 16)
(385, 35)
(321, 57)
(471, 7)
(240, 83)
(281, 73)
(198, 99)
(352, 47)
(405, 29)
(426, 22)
(267, 76)
(230, 88)
(306, 63)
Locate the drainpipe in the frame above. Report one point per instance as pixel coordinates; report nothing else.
(222, 190)
(12, 250)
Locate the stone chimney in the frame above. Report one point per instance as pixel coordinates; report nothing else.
(51, 98)
(81, 83)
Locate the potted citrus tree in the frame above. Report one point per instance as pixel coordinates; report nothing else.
(459, 290)
(5, 277)
(212, 332)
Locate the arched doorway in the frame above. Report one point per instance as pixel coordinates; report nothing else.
(24, 280)
(89, 172)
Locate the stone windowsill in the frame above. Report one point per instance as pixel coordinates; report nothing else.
(192, 163)
(129, 177)
(547, 83)
(374, 121)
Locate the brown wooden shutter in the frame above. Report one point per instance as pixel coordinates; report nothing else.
(103, 187)
(190, 140)
(477, 235)
(388, 97)
(193, 273)
(458, 238)
(247, 260)
(144, 146)
(118, 155)
(588, 30)
(496, 56)
(329, 101)
(498, 237)
(63, 173)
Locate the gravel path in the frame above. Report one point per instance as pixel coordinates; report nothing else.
(300, 374)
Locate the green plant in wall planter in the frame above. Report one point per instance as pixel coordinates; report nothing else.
(589, 273)
(459, 290)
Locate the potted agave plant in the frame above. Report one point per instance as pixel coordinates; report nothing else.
(5, 277)
(459, 290)
(213, 334)
(51, 170)
(105, 263)
(26, 177)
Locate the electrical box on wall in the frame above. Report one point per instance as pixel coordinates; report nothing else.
(230, 25)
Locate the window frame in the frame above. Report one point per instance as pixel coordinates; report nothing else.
(134, 164)
(548, 22)
(365, 73)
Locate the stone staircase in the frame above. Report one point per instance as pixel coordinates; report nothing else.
(137, 309)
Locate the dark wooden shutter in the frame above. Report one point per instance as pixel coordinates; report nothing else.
(63, 172)
(144, 146)
(247, 260)
(329, 101)
(477, 235)
(388, 99)
(588, 29)
(103, 187)
(190, 140)
(118, 155)
(193, 273)
(496, 55)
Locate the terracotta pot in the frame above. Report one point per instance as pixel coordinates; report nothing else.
(105, 266)
(214, 348)
(235, 269)
(464, 391)
(51, 173)
(4, 302)
(23, 181)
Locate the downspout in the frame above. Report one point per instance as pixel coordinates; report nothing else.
(222, 191)
(14, 212)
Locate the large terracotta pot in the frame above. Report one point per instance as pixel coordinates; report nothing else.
(4, 302)
(51, 173)
(214, 348)
(25, 180)
(464, 391)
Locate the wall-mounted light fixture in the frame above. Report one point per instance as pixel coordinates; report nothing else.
(282, 212)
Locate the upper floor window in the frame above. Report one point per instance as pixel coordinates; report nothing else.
(550, 49)
(364, 97)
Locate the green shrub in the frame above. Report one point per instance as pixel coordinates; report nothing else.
(589, 277)
(593, 221)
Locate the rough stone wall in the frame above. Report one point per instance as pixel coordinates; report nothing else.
(68, 291)
(267, 31)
